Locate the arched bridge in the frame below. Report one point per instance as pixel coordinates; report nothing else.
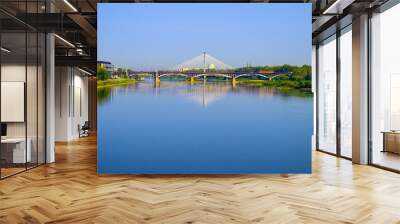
(195, 74)
(210, 65)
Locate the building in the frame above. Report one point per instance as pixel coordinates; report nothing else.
(48, 62)
(108, 65)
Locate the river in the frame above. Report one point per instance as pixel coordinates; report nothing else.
(204, 128)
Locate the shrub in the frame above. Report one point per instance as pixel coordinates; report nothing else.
(102, 73)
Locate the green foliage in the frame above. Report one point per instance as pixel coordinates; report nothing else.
(302, 73)
(304, 69)
(299, 77)
(283, 77)
(103, 94)
(114, 82)
(102, 73)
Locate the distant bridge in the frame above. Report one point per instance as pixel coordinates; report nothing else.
(197, 74)
(203, 66)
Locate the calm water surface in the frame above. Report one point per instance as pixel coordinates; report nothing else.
(178, 128)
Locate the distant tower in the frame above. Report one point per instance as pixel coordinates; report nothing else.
(204, 61)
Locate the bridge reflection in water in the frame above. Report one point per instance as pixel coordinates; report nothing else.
(204, 127)
(206, 93)
(201, 92)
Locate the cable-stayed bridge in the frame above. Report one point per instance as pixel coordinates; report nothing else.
(203, 61)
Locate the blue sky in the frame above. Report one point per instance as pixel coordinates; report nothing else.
(150, 36)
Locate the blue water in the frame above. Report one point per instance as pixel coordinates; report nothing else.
(176, 128)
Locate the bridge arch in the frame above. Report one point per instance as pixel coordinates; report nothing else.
(221, 75)
(246, 75)
(173, 74)
(140, 74)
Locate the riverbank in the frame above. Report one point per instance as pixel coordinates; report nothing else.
(114, 82)
(304, 86)
(280, 84)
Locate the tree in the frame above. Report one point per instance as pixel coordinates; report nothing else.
(102, 73)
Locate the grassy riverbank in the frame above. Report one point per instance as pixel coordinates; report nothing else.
(280, 84)
(114, 82)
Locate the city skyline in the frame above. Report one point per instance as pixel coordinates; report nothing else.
(161, 36)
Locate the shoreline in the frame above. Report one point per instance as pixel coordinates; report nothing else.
(114, 82)
(280, 84)
(284, 86)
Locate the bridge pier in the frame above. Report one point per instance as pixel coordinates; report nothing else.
(270, 78)
(233, 81)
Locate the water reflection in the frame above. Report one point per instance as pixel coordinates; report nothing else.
(204, 93)
(103, 94)
(213, 127)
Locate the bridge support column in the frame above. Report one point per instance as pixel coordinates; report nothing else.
(204, 78)
(270, 78)
(233, 81)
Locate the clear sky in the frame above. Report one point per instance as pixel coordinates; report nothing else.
(150, 36)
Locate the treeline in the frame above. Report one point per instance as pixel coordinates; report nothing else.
(299, 77)
(103, 74)
(297, 72)
(294, 72)
(105, 79)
